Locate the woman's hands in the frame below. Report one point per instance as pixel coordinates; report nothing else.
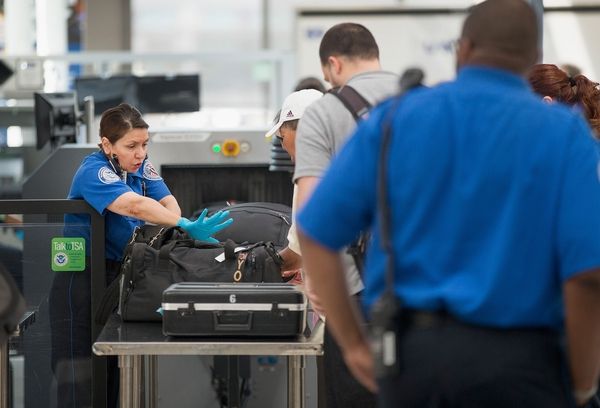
(203, 228)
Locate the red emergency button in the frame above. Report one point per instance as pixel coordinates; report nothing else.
(231, 148)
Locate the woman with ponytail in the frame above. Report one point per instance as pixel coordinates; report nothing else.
(555, 84)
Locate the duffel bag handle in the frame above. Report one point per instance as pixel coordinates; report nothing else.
(230, 249)
(163, 256)
(167, 235)
(165, 250)
(189, 243)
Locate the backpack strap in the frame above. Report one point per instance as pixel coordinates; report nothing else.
(359, 107)
(356, 104)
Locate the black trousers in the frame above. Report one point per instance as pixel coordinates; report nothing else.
(342, 389)
(70, 326)
(451, 364)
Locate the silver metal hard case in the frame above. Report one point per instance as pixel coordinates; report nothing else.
(233, 309)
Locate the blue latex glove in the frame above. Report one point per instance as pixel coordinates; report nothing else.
(203, 227)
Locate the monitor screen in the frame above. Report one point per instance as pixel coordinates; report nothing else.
(55, 118)
(108, 92)
(161, 94)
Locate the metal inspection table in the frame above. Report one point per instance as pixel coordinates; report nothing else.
(27, 319)
(135, 342)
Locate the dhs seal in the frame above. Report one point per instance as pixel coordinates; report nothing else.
(150, 172)
(61, 259)
(107, 176)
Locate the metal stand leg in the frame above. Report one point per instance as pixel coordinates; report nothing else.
(321, 383)
(296, 381)
(153, 381)
(142, 385)
(131, 378)
(233, 382)
(4, 374)
(227, 371)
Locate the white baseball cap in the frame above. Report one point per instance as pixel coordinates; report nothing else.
(294, 106)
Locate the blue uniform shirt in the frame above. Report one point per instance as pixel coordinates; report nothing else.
(97, 183)
(494, 194)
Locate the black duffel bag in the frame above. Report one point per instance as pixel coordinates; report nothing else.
(157, 257)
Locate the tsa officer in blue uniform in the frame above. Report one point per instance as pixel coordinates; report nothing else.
(492, 202)
(121, 184)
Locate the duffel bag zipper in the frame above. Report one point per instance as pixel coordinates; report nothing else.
(128, 281)
(267, 211)
(128, 292)
(253, 265)
(283, 217)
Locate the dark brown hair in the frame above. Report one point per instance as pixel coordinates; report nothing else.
(349, 40)
(549, 80)
(290, 124)
(116, 122)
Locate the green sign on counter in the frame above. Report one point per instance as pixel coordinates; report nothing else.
(68, 254)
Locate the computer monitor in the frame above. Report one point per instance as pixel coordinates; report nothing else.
(164, 93)
(55, 118)
(5, 72)
(108, 92)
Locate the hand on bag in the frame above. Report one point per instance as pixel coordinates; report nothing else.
(203, 228)
(293, 276)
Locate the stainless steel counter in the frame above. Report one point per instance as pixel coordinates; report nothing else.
(133, 342)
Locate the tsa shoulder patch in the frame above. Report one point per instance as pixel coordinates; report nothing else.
(107, 175)
(150, 172)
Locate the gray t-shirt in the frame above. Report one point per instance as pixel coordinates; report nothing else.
(325, 127)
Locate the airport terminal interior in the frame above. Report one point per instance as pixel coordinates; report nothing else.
(208, 77)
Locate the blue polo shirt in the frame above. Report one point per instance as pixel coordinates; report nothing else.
(494, 194)
(96, 182)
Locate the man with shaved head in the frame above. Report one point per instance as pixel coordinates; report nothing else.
(488, 221)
